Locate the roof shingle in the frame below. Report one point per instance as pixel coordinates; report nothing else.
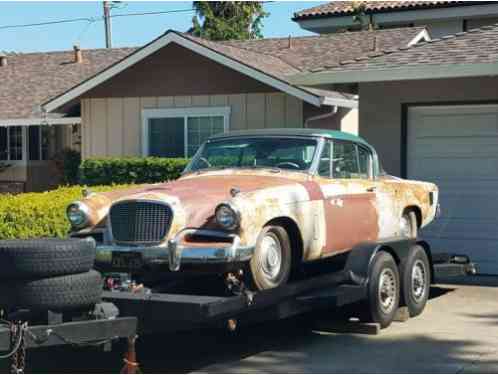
(343, 8)
(30, 79)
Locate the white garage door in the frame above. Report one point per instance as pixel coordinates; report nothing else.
(457, 148)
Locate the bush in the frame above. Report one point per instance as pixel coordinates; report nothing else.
(35, 215)
(108, 171)
(68, 162)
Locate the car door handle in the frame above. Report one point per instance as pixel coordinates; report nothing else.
(372, 189)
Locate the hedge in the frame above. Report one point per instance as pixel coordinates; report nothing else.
(107, 171)
(35, 215)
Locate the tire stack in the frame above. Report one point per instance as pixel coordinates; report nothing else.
(49, 275)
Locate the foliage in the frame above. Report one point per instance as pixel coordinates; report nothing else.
(35, 215)
(225, 20)
(68, 163)
(108, 171)
(361, 16)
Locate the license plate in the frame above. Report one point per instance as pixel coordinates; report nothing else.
(127, 260)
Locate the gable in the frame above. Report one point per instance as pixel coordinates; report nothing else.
(175, 70)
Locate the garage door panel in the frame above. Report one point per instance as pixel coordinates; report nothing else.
(456, 147)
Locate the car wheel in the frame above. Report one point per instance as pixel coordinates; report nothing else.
(271, 263)
(408, 225)
(42, 258)
(382, 290)
(61, 293)
(416, 281)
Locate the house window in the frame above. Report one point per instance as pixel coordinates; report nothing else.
(16, 140)
(38, 142)
(11, 143)
(179, 132)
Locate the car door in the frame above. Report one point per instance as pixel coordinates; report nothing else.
(346, 179)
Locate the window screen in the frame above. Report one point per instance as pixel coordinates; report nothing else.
(199, 129)
(167, 137)
(15, 143)
(34, 142)
(4, 153)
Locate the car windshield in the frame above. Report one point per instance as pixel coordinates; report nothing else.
(256, 152)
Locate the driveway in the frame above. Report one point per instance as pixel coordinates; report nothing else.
(457, 333)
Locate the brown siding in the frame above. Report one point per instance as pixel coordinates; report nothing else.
(381, 108)
(176, 71)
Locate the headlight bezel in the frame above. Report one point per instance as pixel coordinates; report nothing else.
(235, 213)
(83, 209)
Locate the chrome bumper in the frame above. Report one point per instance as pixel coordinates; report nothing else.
(175, 254)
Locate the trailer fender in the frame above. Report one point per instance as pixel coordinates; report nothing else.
(360, 258)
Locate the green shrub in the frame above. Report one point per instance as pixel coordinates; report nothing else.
(108, 171)
(68, 162)
(34, 215)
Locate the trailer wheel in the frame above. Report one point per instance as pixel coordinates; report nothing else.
(383, 290)
(416, 281)
(271, 263)
(61, 293)
(42, 258)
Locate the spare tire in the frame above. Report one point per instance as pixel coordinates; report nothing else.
(61, 293)
(41, 258)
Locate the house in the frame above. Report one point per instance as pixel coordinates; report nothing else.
(30, 138)
(166, 98)
(431, 110)
(440, 17)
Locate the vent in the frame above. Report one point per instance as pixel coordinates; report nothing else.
(140, 222)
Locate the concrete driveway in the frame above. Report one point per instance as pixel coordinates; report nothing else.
(457, 333)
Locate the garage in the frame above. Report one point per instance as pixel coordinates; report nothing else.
(457, 148)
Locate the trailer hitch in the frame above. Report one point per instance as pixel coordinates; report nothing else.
(235, 285)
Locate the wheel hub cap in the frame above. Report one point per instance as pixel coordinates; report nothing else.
(271, 256)
(387, 290)
(419, 283)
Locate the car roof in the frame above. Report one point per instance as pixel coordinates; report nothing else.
(293, 132)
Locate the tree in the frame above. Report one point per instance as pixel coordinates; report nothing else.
(224, 20)
(361, 16)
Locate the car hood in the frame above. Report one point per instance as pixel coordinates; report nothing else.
(197, 195)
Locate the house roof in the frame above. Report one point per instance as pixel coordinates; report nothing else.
(268, 60)
(344, 8)
(470, 53)
(314, 52)
(29, 79)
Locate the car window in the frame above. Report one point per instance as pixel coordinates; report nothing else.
(345, 161)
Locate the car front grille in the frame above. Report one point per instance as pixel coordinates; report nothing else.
(140, 222)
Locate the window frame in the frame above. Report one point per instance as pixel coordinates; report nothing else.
(358, 146)
(24, 149)
(186, 112)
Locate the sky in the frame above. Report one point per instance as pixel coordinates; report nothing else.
(126, 31)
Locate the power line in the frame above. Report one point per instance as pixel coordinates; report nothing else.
(92, 19)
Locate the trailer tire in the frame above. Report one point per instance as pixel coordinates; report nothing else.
(383, 290)
(271, 264)
(42, 258)
(416, 278)
(61, 293)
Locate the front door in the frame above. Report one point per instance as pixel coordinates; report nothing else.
(349, 196)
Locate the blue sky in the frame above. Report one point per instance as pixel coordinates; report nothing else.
(127, 31)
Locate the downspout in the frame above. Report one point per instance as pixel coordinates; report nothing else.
(332, 112)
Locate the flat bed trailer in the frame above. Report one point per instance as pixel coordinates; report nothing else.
(149, 312)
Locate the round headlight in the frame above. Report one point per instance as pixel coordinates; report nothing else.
(227, 216)
(77, 215)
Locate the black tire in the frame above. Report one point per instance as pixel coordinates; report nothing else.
(260, 279)
(378, 309)
(416, 279)
(61, 293)
(42, 258)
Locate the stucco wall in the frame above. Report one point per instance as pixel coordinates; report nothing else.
(380, 109)
(113, 126)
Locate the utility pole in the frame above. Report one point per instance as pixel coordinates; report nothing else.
(107, 24)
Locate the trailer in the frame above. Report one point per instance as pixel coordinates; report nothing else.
(125, 313)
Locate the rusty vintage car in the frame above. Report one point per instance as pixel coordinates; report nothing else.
(264, 201)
